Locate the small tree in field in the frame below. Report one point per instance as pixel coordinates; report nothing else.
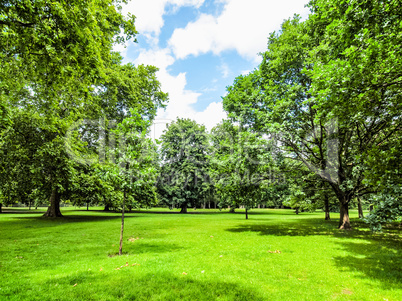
(134, 166)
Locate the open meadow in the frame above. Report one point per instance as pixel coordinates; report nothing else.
(203, 255)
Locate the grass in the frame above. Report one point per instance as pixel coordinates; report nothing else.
(275, 255)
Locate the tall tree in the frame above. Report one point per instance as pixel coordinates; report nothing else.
(52, 55)
(240, 161)
(184, 178)
(307, 94)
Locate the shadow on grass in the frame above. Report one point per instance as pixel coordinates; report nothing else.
(380, 260)
(125, 285)
(376, 256)
(148, 248)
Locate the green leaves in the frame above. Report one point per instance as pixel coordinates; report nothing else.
(184, 175)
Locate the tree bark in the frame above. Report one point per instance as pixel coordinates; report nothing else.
(360, 208)
(183, 208)
(326, 205)
(344, 222)
(246, 214)
(54, 209)
(122, 223)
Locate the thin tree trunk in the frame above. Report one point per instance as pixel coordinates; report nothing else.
(122, 223)
(87, 206)
(326, 206)
(360, 208)
(297, 210)
(344, 222)
(183, 208)
(29, 205)
(371, 207)
(215, 204)
(259, 206)
(246, 214)
(54, 209)
(209, 204)
(1, 205)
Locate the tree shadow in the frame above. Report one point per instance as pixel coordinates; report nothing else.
(149, 248)
(316, 226)
(123, 285)
(379, 260)
(376, 256)
(71, 218)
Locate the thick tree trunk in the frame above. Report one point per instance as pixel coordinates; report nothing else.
(360, 208)
(326, 206)
(259, 206)
(122, 224)
(183, 208)
(107, 207)
(344, 222)
(246, 214)
(54, 209)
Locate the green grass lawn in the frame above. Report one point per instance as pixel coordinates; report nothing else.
(275, 255)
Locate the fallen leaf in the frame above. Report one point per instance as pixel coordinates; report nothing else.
(101, 269)
(202, 272)
(75, 285)
(184, 273)
(220, 255)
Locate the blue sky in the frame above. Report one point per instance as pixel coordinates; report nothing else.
(200, 46)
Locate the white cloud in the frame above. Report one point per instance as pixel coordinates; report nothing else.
(181, 99)
(243, 26)
(149, 13)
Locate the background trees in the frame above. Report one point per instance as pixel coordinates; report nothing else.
(239, 163)
(184, 175)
